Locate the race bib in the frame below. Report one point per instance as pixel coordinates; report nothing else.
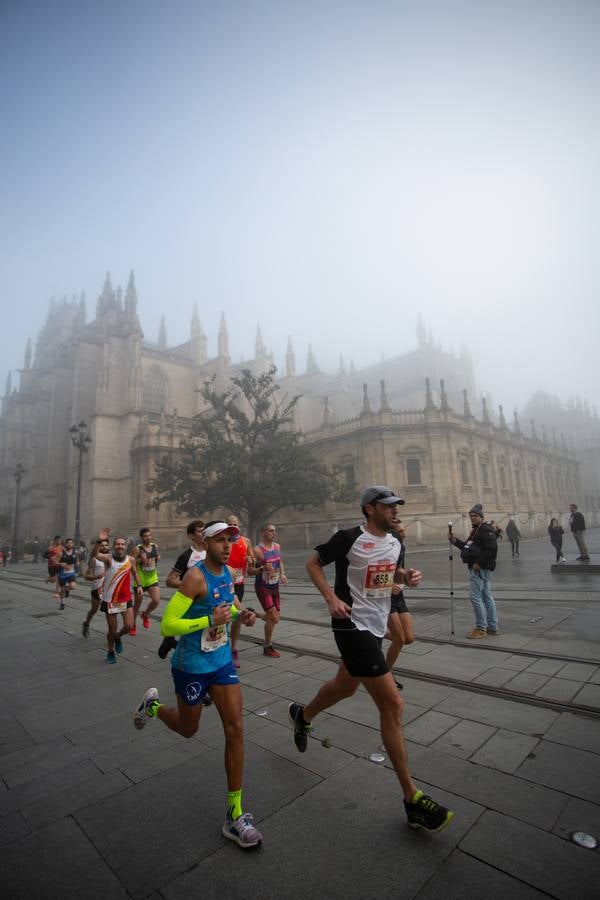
(117, 607)
(213, 638)
(379, 579)
(149, 567)
(238, 576)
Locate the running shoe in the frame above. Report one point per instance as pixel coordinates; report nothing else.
(236, 658)
(145, 621)
(147, 708)
(423, 812)
(119, 646)
(62, 606)
(242, 831)
(300, 729)
(168, 644)
(132, 632)
(85, 629)
(271, 651)
(111, 658)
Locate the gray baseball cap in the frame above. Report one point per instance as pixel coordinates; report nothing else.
(379, 493)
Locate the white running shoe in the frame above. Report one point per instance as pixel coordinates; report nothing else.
(242, 831)
(141, 714)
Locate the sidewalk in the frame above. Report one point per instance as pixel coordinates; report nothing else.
(91, 808)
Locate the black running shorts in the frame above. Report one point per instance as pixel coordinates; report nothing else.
(360, 650)
(399, 603)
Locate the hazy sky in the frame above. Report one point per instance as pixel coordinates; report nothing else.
(328, 169)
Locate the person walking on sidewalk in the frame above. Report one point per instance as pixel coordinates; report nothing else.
(556, 531)
(514, 536)
(479, 553)
(577, 525)
(200, 613)
(366, 568)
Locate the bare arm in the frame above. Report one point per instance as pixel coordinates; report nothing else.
(173, 579)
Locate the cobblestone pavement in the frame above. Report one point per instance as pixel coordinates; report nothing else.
(507, 733)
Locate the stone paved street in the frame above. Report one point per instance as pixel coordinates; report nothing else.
(506, 733)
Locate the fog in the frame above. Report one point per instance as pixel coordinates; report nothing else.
(328, 170)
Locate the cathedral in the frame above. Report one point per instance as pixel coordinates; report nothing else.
(413, 422)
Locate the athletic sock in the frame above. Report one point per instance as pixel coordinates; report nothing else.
(234, 805)
(152, 708)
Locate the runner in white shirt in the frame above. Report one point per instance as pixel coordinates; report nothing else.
(366, 568)
(95, 573)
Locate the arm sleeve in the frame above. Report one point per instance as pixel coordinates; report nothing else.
(173, 622)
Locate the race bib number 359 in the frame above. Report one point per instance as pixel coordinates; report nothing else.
(379, 579)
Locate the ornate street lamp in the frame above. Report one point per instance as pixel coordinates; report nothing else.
(18, 476)
(81, 441)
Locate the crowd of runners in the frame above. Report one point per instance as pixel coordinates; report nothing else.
(201, 623)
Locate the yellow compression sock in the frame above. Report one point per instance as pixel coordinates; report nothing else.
(234, 805)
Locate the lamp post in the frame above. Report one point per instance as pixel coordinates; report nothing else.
(18, 476)
(81, 441)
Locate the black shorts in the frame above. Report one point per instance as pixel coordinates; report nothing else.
(95, 594)
(360, 650)
(398, 603)
(104, 607)
(239, 590)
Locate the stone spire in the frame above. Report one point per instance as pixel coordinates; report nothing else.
(502, 420)
(131, 297)
(421, 333)
(429, 404)
(516, 424)
(162, 334)
(312, 367)
(259, 348)
(290, 358)
(366, 406)
(444, 405)
(8, 389)
(326, 411)
(106, 298)
(82, 309)
(352, 367)
(223, 339)
(485, 416)
(27, 362)
(342, 371)
(195, 326)
(534, 436)
(466, 407)
(384, 405)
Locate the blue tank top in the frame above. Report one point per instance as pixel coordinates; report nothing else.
(209, 649)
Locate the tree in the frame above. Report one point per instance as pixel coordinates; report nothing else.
(251, 463)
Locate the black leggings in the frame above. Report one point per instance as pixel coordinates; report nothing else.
(558, 548)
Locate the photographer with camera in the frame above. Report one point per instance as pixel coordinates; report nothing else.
(479, 553)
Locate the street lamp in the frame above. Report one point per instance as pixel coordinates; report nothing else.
(81, 441)
(18, 476)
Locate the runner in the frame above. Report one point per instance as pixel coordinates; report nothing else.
(270, 573)
(240, 559)
(400, 629)
(200, 613)
(95, 573)
(67, 564)
(53, 555)
(187, 559)
(366, 567)
(116, 591)
(147, 556)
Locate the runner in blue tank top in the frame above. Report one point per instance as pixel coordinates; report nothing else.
(200, 613)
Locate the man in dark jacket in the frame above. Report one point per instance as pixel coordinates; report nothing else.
(514, 536)
(577, 523)
(479, 553)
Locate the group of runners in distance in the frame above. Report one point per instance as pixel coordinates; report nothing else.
(201, 625)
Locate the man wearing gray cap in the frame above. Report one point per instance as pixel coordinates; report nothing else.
(366, 568)
(479, 553)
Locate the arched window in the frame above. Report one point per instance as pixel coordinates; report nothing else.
(155, 391)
